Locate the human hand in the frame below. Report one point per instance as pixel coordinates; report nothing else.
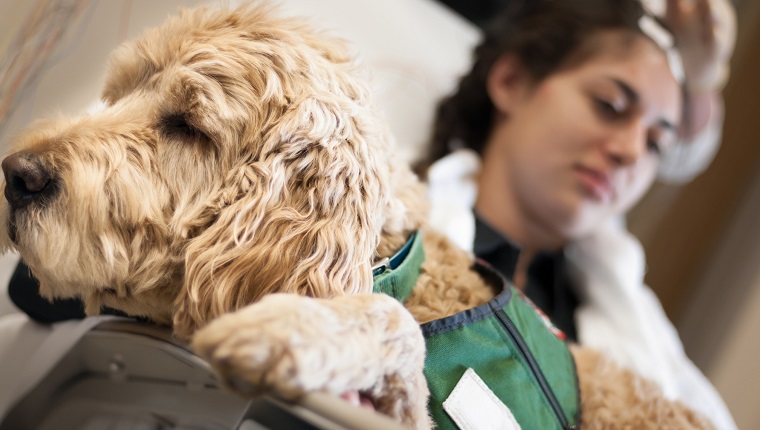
(705, 33)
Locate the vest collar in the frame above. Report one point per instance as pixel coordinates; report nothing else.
(397, 275)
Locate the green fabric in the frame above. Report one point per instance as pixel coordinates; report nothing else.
(482, 343)
(398, 282)
(477, 339)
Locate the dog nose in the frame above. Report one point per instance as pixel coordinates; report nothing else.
(25, 179)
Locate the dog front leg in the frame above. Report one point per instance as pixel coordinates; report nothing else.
(289, 345)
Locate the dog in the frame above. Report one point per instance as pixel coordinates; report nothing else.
(239, 187)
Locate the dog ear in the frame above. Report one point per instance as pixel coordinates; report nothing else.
(302, 214)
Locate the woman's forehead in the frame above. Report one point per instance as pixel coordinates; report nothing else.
(638, 62)
(607, 43)
(634, 55)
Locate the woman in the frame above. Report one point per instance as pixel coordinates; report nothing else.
(557, 131)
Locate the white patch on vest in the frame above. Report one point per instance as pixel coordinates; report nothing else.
(473, 406)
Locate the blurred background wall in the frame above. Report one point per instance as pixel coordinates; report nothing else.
(702, 242)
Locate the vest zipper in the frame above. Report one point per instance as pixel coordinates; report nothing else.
(523, 347)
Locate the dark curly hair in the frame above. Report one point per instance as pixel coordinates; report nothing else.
(547, 36)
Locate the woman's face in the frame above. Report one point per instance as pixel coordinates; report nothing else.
(583, 144)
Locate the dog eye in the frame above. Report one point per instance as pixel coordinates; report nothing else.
(177, 126)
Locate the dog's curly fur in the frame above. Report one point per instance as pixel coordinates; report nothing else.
(238, 155)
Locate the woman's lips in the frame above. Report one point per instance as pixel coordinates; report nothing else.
(596, 183)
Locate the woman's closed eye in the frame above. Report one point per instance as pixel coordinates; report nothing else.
(660, 140)
(612, 98)
(654, 146)
(611, 108)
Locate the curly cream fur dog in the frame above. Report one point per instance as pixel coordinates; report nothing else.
(239, 156)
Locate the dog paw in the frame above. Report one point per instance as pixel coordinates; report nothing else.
(286, 345)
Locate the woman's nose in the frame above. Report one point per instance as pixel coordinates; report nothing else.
(627, 145)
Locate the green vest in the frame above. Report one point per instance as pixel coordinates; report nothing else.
(507, 343)
(509, 346)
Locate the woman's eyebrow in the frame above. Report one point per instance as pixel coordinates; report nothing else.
(630, 93)
(633, 96)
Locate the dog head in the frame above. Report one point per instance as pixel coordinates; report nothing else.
(237, 154)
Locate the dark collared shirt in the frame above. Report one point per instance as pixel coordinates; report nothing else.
(548, 284)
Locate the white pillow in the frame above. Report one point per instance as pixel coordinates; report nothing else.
(416, 50)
